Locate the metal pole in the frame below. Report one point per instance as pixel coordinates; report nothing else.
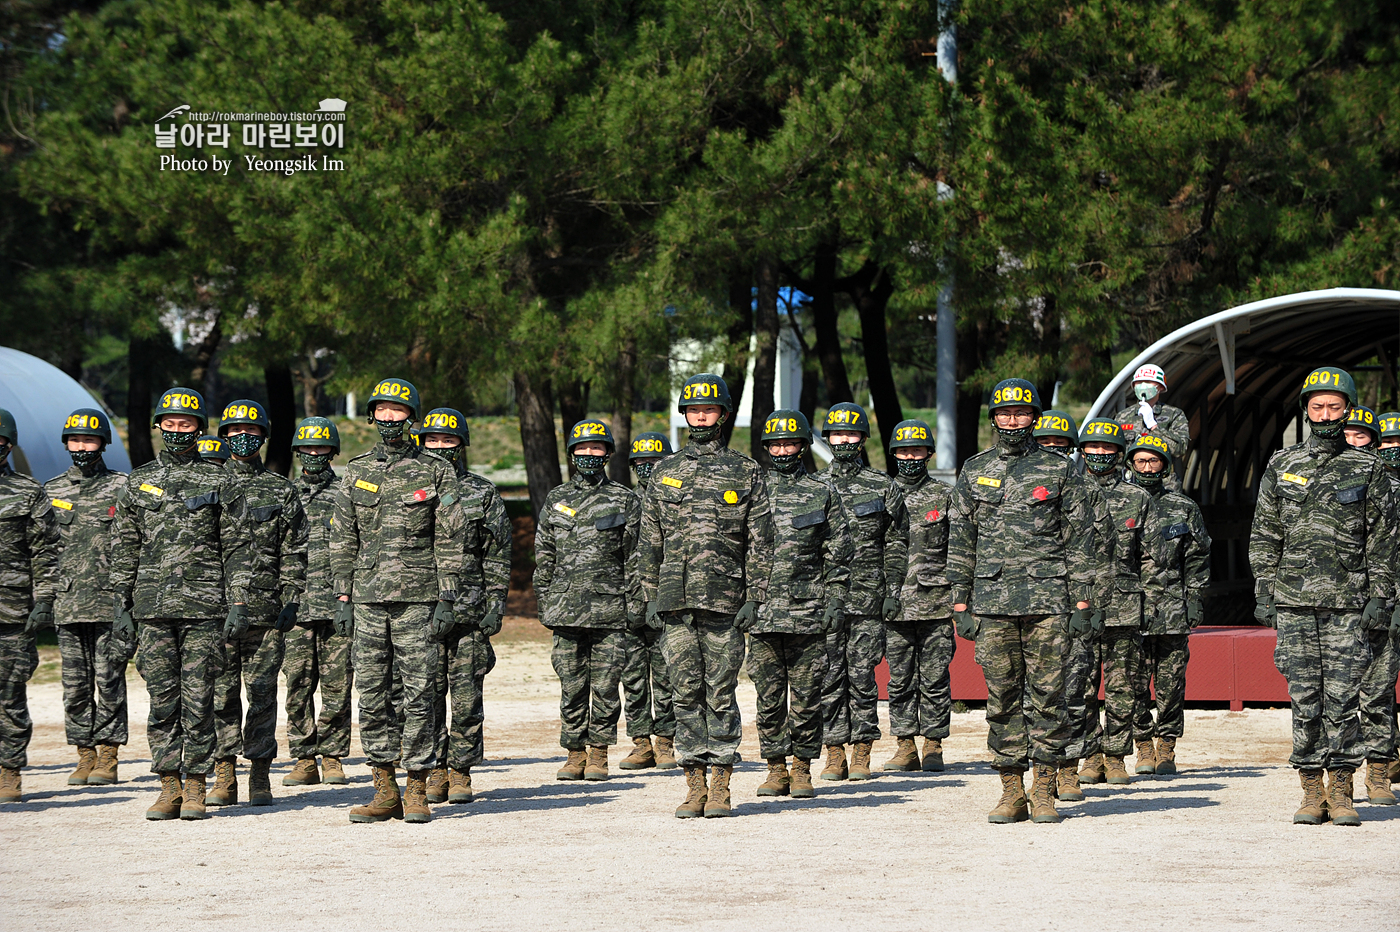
(947, 318)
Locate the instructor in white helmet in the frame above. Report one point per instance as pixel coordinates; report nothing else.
(1147, 415)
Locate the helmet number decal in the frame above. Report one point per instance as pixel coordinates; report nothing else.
(843, 416)
(700, 390)
(80, 421)
(775, 424)
(441, 419)
(240, 411)
(647, 445)
(391, 388)
(1013, 394)
(314, 432)
(180, 400)
(913, 432)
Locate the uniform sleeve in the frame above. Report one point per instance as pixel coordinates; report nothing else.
(495, 559)
(546, 551)
(449, 529)
(1266, 535)
(896, 549)
(1150, 556)
(651, 544)
(838, 551)
(1080, 541)
(345, 541)
(43, 541)
(758, 563)
(1196, 572)
(295, 541)
(235, 543)
(1177, 433)
(1105, 545)
(1380, 536)
(630, 535)
(126, 533)
(962, 541)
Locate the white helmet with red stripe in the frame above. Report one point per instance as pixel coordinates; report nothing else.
(1150, 373)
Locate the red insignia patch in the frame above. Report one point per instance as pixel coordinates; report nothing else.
(1131, 522)
(112, 512)
(1041, 493)
(421, 495)
(934, 515)
(1126, 426)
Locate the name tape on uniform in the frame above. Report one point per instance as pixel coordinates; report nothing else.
(60, 503)
(154, 490)
(367, 486)
(564, 509)
(988, 480)
(1290, 477)
(673, 483)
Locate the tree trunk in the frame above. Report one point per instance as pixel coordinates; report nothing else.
(204, 352)
(736, 368)
(765, 366)
(969, 400)
(140, 358)
(838, 383)
(282, 409)
(871, 288)
(625, 399)
(807, 402)
(573, 407)
(534, 397)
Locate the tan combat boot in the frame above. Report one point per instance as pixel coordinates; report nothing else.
(104, 772)
(1378, 791)
(1339, 804)
(260, 782)
(1116, 771)
(437, 785)
(1166, 756)
(696, 794)
(835, 768)
(596, 766)
(11, 786)
(641, 758)
(1067, 783)
(1146, 758)
(801, 784)
(573, 766)
(332, 772)
(415, 798)
(87, 759)
(1043, 796)
(387, 804)
(717, 806)
(192, 799)
(1092, 770)
(459, 786)
(303, 774)
(906, 756)
(665, 752)
(1312, 811)
(1012, 805)
(778, 782)
(224, 792)
(167, 804)
(860, 760)
(932, 761)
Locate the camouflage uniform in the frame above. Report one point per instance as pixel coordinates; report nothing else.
(585, 577)
(705, 548)
(1173, 426)
(29, 541)
(94, 687)
(315, 655)
(1083, 665)
(1321, 548)
(879, 528)
(646, 688)
(919, 646)
(1181, 563)
(1021, 553)
(278, 532)
(787, 651)
(180, 555)
(1377, 696)
(396, 546)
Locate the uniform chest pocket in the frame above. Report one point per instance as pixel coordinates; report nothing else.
(202, 500)
(665, 493)
(810, 519)
(14, 506)
(418, 507)
(610, 522)
(63, 516)
(265, 512)
(869, 508)
(729, 499)
(1351, 495)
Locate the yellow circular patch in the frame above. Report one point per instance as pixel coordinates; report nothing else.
(731, 497)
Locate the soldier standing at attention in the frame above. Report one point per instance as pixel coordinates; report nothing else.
(1323, 559)
(646, 690)
(1181, 560)
(181, 556)
(585, 578)
(29, 542)
(213, 449)
(253, 650)
(919, 644)
(84, 500)
(466, 655)
(1389, 453)
(879, 526)
(317, 656)
(1021, 558)
(396, 558)
(705, 554)
(1056, 431)
(1151, 417)
(806, 594)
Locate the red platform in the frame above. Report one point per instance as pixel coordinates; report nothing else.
(1228, 664)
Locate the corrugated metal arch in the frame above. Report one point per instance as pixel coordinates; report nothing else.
(41, 397)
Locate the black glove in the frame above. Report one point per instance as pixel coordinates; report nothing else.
(1079, 622)
(1266, 611)
(833, 618)
(1372, 616)
(122, 646)
(490, 623)
(344, 619)
(1195, 609)
(747, 617)
(442, 621)
(1096, 621)
(287, 618)
(236, 625)
(653, 616)
(966, 624)
(890, 609)
(41, 616)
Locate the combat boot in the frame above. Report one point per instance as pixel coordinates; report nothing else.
(860, 760)
(1092, 770)
(192, 799)
(665, 752)
(415, 798)
(1146, 758)
(1012, 805)
(167, 804)
(104, 773)
(1067, 783)
(459, 786)
(87, 759)
(717, 806)
(1339, 805)
(260, 783)
(1043, 796)
(1166, 756)
(596, 766)
(224, 792)
(835, 768)
(11, 786)
(802, 779)
(696, 794)
(387, 804)
(778, 782)
(1378, 791)
(437, 785)
(641, 758)
(932, 761)
(303, 774)
(906, 756)
(1116, 771)
(573, 766)
(1312, 811)
(332, 772)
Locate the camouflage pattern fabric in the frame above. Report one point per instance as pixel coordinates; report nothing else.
(252, 662)
(585, 563)
(19, 658)
(1023, 658)
(94, 688)
(1132, 511)
(646, 687)
(878, 521)
(84, 508)
(29, 545)
(391, 642)
(318, 494)
(704, 652)
(278, 533)
(1120, 669)
(1376, 700)
(1181, 561)
(1173, 426)
(850, 695)
(179, 659)
(1081, 670)
(1323, 655)
(464, 659)
(589, 664)
(921, 691)
(812, 555)
(317, 657)
(925, 590)
(485, 581)
(787, 671)
(1165, 657)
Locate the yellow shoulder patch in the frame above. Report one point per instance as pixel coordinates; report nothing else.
(988, 480)
(60, 503)
(1290, 477)
(564, 509)
(154, 490)
(367, 486)
(673, 483)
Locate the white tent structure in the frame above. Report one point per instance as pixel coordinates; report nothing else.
(41, 397)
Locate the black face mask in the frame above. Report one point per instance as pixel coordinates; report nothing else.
(451, 454)
(1101, 462)
(314, 463)
(787, 464)
(1327, 430)
(912, 469)
(706, 434)
(644, 469)
(390, 432)
(1015, 436)
(847, 452)
(179, 441)
(589, 465)
(244, 445)
(1151, 481)
(1390, 456)
(85, 458)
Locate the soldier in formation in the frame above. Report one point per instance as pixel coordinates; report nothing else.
(1150, 416)
(1388, 449)
(1056, 431)
(213, 449)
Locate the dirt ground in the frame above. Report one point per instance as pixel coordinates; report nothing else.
(1211, 848)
